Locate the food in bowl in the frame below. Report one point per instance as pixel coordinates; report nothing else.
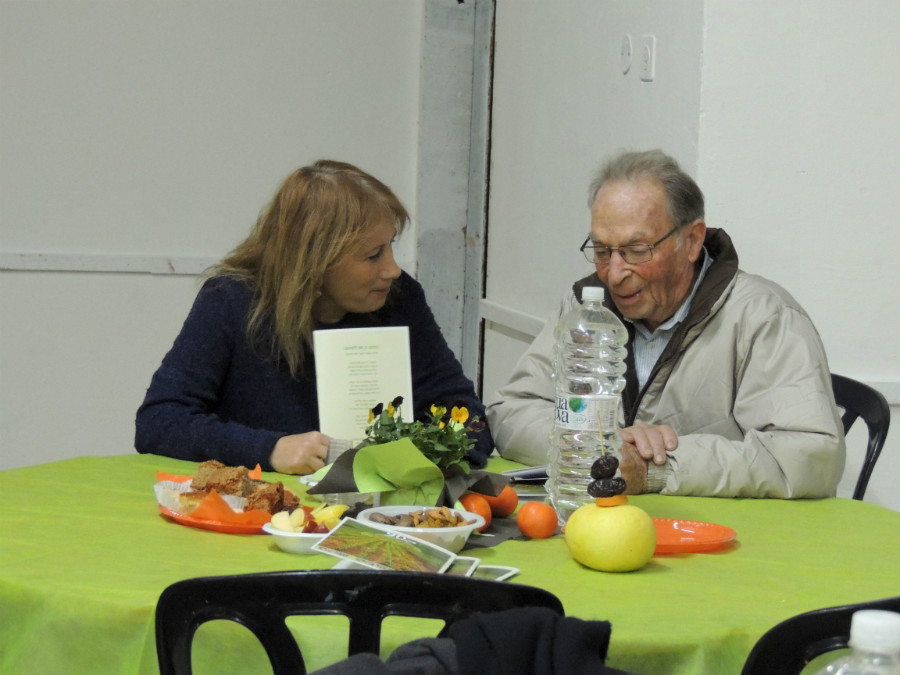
(298, 530)
(319, 520)
(452, 538)
(436, 517)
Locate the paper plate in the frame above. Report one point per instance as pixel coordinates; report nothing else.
(212, 525)
(689, 536)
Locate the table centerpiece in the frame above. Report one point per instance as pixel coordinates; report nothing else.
(418, 462)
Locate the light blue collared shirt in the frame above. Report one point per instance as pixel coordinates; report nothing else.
(648, 346)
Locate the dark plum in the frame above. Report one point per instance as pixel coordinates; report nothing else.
(606, 487)
(604, 467)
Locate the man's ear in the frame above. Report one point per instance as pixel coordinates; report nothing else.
(694, 236)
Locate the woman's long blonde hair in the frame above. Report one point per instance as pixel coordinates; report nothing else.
(316, 218)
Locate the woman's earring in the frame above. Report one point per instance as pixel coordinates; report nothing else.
(318, 293)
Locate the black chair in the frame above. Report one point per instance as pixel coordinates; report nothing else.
(860, 400)
(263, 601)
(787, 648)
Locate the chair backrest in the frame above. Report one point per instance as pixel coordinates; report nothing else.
(860, 400)
(261, 602)
(787, 648)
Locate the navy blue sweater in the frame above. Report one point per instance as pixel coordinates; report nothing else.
(214, 397)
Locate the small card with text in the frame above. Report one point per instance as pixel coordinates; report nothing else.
(357, 368)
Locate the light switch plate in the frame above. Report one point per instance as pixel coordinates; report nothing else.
(648, 58)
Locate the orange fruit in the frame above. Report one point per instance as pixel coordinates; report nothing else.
(503, 504)
(537, 520)
(475, 503)
(615, 500)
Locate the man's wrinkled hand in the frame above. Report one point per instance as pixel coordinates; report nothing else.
(642, 444)
(652, 441)
(634, 469)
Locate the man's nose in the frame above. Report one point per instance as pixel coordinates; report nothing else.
(617, 269)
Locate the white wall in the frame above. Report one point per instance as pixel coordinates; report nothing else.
(785, 112)
(141, 133)
(800, 158)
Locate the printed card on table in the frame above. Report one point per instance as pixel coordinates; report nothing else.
(363, 544)
(495, 572)
(463, 566)
(357, 368)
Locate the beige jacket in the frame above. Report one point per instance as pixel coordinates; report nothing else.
(744, 383)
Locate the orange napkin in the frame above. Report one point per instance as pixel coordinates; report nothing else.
(214, 508)
(174, 477)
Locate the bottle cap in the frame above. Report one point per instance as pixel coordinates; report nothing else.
(875, 630)
(592, 294)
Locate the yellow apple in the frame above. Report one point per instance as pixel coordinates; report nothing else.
(611, 539)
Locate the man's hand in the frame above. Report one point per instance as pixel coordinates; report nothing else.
(300, 453)
(642, 444)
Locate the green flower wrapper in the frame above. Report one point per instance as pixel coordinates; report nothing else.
(402, 475)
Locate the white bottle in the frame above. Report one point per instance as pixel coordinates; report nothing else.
(588, 369)
(875, 645)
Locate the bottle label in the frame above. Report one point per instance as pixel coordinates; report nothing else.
(589, 413)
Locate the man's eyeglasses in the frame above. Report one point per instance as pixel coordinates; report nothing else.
(632, 254)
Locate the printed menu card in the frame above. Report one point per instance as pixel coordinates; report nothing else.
(357, 368)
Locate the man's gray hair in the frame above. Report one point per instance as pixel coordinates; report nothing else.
(684, 199)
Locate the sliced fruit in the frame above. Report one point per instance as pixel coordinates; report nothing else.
(282, 521)
(314, 527)
(329, 516)
(299, 516)
(616, 500)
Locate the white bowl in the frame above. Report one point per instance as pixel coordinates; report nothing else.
(450, 538)
(294, 542)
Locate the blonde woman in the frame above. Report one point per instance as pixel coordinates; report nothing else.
(239, 384)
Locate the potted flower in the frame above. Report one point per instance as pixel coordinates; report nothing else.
(423, 461)
(443, 437)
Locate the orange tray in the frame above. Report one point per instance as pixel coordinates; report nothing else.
(690, 536)
(212, 525)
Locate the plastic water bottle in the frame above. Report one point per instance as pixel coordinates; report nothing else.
(588, 369)
(875, 645)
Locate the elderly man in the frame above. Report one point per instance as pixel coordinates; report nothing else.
(728, 387)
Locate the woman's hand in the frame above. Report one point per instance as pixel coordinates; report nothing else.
(300, 453)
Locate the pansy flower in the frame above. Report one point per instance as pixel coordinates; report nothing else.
(459, 414)
(376, 411)
(442, 437)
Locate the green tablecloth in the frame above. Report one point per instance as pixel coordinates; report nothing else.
(84, 555)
